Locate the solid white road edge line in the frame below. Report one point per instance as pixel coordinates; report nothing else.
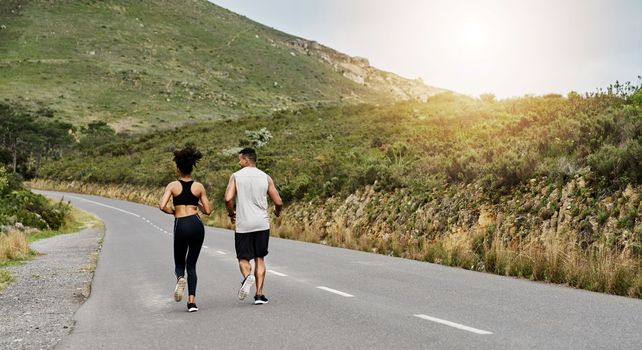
(105, 205)
(277, 273)
(336, 292)
(453, 324)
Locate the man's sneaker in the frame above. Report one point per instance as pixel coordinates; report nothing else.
(260, 299)
(180, 288)
(245, 286)
(191, 307)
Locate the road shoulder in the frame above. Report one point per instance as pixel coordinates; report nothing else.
(36, 310)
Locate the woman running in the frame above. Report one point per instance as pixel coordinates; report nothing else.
(188, 228)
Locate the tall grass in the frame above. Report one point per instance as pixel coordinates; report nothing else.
(555, 257)
(13, 245)
(140, 194)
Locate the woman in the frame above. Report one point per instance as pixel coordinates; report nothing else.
(188, 228)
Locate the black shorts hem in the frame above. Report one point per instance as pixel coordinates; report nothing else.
(250, 245)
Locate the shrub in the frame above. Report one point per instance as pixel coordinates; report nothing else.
(618, 165)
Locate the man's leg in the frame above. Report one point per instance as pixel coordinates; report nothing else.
(259, 273)
(245, 267)
(244, 252)
(262, 239)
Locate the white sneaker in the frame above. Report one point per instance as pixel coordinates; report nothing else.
(180, 288)
(245, 286)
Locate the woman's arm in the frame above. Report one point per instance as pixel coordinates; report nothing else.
(204, 206)
(165, 200)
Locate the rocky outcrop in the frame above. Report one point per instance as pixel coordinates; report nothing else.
(359, 70)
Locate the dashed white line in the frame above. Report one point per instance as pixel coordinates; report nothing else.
(105, 205)
(277, 273)
(221, 252)
(338, 292)
(206, 247)
(453, 324)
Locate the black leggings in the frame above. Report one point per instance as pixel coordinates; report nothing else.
(188, 240)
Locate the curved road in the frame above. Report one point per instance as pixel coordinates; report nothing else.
(324, 298)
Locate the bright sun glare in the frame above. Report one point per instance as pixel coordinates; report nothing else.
(473, 35)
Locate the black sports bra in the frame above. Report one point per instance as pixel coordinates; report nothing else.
(186, 197)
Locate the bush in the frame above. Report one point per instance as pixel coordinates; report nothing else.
(618, 165)
(17, 204)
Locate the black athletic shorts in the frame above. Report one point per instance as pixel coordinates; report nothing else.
(250, 245)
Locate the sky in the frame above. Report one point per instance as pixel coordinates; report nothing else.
(506, 47)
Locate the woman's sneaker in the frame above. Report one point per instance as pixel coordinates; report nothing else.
(191, 307)
(245, 286)
(180, 288)
(260, 299)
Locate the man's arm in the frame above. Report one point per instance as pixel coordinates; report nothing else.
(230, 193)
(275, 197)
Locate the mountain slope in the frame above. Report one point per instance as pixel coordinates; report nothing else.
(548, 188)
(151, 63)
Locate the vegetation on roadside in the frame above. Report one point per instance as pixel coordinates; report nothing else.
(26, 217)
(447, 140)
(19, 206)
(543, 187)
(14, 243)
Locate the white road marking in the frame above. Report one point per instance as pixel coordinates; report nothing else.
(453, 324)
(277, 273)
(105, 205)
(206, 247)
(221, 252)
(336, 292)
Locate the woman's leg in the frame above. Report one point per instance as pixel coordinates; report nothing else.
(195, 244)
(180, 250)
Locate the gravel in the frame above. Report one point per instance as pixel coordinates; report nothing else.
(36, 310)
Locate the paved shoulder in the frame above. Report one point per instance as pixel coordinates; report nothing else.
(36, 310)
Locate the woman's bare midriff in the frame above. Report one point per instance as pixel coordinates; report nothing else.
(185, 210)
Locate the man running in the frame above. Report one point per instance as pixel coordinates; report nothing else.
(249, 186)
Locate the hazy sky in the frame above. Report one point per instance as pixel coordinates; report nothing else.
(507, 47)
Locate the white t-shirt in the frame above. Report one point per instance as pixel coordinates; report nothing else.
(251, 200)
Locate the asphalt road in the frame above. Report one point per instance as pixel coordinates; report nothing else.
(324, 298)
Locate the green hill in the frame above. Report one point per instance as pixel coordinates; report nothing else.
(547, 188)
(152, 63)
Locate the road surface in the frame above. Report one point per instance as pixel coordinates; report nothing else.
(324, 298)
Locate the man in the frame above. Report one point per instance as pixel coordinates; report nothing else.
(250, 186)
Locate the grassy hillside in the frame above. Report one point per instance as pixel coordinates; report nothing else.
(447, 140)
(539, 187)
(147, 64)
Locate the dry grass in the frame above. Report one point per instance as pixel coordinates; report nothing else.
(13, 245)
(139, 194)
(555, 258)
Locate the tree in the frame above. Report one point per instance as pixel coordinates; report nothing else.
(25, 138)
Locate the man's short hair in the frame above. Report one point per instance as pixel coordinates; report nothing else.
(249, 153)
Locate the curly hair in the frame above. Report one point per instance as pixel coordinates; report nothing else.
(186, 159)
